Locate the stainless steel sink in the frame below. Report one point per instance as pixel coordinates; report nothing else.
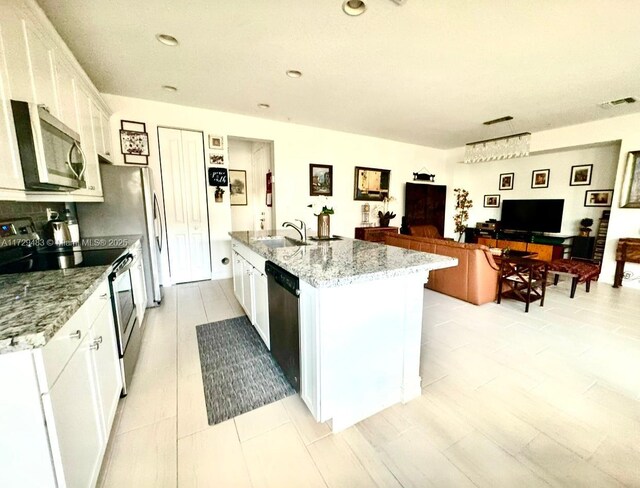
(274, 242)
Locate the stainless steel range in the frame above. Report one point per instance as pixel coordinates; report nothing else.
(22, 251)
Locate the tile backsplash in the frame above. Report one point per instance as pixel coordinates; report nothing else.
(36, 210)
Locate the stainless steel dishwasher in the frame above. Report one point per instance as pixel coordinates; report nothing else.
(284, 332)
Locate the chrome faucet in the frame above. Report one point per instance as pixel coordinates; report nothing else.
(302, 230)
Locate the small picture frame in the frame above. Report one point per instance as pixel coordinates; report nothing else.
(492, 201)
(371, 184)
(598, 198)
(581, 175)
(134, 142)
(506, 181)
(320, 180)
(540, 178)
(216, 159)
(237, 187)
(216, 142)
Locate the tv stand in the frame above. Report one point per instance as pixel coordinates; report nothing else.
(515, 242)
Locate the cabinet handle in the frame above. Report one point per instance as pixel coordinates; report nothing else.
(99, 340)
(108, 153)
(95, 345)
(104, 296)
(92, 187)
(75, 335)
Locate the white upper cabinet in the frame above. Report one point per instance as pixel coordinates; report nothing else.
(85, 123)
(36, 66)
(106, 136)
(66, 98)
(101, 131)
(10, 169)
(41, 57)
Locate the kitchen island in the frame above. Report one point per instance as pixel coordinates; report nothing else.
(360, 318)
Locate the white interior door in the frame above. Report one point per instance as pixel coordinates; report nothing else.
(185, 200)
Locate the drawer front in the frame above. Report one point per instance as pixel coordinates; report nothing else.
(98, 299)
(52, 358)
(57, 352)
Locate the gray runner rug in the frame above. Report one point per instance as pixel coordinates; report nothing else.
(238, 372)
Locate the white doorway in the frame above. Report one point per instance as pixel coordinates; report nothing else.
(255, 158)
(185, 201)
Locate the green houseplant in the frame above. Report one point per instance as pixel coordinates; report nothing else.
(463, 204)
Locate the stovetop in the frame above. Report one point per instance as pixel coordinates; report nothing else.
(21, 259)
(22, 251)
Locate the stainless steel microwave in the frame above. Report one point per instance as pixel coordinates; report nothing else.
(50, 152)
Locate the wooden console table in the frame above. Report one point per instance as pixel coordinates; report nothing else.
(374, 234)
(628, 250)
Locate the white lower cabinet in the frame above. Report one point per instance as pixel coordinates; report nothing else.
(262, 307)
(73, 419)
(72, 389)
(107, 368)
(247, 289)
(139, 287)
(250, 288)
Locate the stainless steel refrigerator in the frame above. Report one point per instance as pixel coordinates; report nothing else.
(130, 207)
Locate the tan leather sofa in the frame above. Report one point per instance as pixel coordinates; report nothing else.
(424, 231)
(474, 280)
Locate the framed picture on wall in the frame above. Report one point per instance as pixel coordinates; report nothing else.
(237, 187)
(492, 201)
(371, 183)
(216, 142)
(134, 142)
(320, 180)
(598, 198)
(581, 175)
(506, 181)
(540, 178)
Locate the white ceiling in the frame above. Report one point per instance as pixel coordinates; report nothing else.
(428, 72)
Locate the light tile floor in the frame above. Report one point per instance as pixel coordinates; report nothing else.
(548, 398)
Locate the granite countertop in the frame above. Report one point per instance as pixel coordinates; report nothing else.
(340, 262)
(34, 306)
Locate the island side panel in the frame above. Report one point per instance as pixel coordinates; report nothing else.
(366, 354)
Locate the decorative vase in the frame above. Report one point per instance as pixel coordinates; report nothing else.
(324, 226)
(585, 232)
(384, 221)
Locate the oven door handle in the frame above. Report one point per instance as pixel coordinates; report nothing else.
(122, 265)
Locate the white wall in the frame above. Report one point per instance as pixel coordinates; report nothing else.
(240, 158)
(624, 222)
(483, 179)
(295, 147)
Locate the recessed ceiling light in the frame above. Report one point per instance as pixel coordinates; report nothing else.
(169, 88)
(294, 73)
(167, 39)
(354, 7)
(264, 105)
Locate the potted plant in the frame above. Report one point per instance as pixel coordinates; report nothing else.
(324, 221)
(385, 215)
(585, 227)
(463, 204)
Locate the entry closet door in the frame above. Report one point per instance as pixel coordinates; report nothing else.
(185, 202)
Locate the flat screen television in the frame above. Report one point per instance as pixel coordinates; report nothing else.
(532, 215)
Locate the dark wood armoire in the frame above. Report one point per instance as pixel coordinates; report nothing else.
(424, 204)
